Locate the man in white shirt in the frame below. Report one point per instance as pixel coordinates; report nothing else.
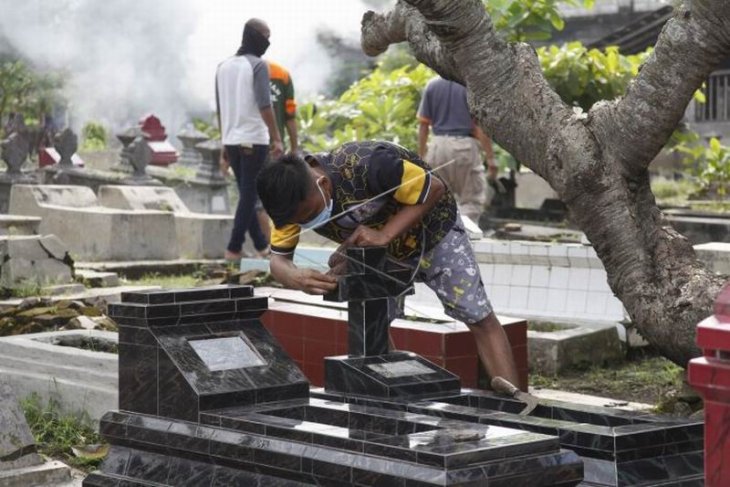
(248, 129)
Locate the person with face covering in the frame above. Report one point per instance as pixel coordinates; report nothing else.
(376, 193)
(248, 129)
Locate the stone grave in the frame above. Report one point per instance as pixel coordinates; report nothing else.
(137, 157)
(617, 447)
(205, 191)
(15, 151)
(208, 397)
(370, 368)
(38, 260)
(199, 235)
(126, 137)
(63, 151)
(57, 366)
(93, 232)
(20, 464)
(190, 137)
(163, 153)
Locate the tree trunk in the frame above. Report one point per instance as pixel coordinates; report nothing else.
(597, 161)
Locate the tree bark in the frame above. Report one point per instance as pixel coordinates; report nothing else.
(597, 161)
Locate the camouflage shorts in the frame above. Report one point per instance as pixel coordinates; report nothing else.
(450, 269)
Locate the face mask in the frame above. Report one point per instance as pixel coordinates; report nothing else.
(324, 215)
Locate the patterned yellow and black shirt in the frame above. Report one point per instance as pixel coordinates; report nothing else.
(372, 181)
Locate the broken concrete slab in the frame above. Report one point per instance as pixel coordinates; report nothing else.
(93, 278)
(20, 464)
(34, 259)
(19, 225)
(93, 232)
(553, 347)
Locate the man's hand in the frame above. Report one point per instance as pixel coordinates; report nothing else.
(314, 282)
(367, 237)
(277, 149)
(223, 164)
(492, 170)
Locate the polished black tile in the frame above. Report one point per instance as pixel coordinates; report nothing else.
(137, 378)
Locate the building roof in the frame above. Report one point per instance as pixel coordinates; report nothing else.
(636, 36)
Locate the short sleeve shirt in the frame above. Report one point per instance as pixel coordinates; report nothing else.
(372, 181)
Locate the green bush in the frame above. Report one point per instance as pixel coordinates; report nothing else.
(94, 137)
(710, 163)
(583, 76)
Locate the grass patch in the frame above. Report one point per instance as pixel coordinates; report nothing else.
(25, 289)
(164, 281)
(645, 378)
(673, 192)
(548, 327)
(711, 206)
(58, 434)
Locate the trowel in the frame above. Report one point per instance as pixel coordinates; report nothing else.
(503, 386)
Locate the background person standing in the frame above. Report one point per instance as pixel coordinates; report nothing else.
(285, 110)
(456, 138)
(248, 129)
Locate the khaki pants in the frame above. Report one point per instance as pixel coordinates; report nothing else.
(466, 176)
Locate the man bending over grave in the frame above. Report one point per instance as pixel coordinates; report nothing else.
(380, 194)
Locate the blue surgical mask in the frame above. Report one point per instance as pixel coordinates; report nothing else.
(324, 216)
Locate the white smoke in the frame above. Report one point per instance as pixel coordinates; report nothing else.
(125, 58)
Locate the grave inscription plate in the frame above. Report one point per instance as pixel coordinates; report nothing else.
(226, 353)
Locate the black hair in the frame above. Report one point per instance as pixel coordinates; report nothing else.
(282, 186)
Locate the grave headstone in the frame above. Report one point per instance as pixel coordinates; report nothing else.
(140, 157)
(369, 286)
(15, 151)
(190, 137)
(126, 137)
(163, 153)
(208, 397)
(66, 143)
(63, 153)
(210, 154)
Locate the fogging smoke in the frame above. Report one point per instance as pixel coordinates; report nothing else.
(124, 58)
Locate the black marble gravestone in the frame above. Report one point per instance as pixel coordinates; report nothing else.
(208, 398)
(370, 368)
(618, 447)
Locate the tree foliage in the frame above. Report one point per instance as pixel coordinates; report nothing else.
(583, 76)
(709, 163)
(26, 92)
(532, 20)
(382, 105)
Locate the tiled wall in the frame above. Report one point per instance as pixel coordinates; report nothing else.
(310, 333)
(543, 280)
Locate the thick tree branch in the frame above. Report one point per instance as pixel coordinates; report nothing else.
(405, 23)
(692, 43)
(457, 39)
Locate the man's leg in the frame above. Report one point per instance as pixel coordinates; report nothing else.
(494, 349)
(246, 220)
(238, 231)
(451, 271)
(474, 175)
